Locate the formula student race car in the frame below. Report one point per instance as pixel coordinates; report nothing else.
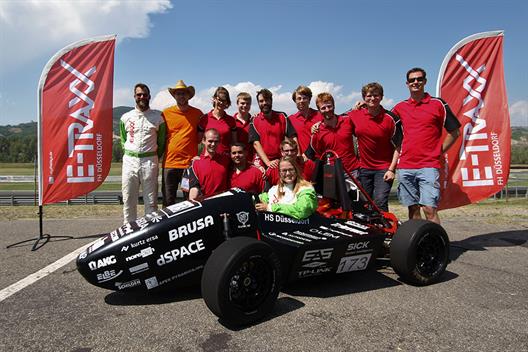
(242, 257)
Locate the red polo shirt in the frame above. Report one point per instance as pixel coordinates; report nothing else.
(303, 126)
(243, 134)
(224, 126)
(307, 169)
(250, 179)
(374, 135)
(338, 139)
(271, 132)
(209, 174)
(422, 123)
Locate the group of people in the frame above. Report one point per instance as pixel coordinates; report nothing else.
(272, 154)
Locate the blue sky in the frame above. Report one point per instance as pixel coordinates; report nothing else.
(335, 46)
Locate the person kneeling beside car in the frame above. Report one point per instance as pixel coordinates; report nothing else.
(293, 195)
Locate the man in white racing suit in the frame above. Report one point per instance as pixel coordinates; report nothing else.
(143, 142)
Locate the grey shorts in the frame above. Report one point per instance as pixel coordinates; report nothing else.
(419, 187)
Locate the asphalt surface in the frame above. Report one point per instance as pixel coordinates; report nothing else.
(481, 304)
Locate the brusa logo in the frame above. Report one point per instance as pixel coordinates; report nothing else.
(101, 263)
(317, 254)
(191, 227)
(80, 140)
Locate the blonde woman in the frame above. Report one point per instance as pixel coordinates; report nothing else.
(293, 195)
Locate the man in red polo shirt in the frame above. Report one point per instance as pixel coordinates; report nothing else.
(268, 129)
(290, 149)
(305, 118)
(208, 175)
(334, 133)
(375, 129)
(243, 119)
(243, 175)
(422, 117)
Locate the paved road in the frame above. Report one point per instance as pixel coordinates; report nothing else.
(482, 304)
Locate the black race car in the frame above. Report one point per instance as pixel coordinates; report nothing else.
(242, 257)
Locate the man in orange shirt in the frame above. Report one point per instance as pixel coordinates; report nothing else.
(182, 140)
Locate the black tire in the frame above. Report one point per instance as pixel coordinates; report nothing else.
(420, 252)
(241, 280)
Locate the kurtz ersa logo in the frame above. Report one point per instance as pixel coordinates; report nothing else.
(242, 218)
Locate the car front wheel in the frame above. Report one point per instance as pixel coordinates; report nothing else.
(420, 252)
(241, 280)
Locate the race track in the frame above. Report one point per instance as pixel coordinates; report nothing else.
(481, 305)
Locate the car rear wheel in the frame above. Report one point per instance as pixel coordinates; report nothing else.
(420, 252)
(241, 280)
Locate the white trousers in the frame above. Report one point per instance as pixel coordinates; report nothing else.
(138, 171)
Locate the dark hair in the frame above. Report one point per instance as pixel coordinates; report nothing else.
(266, 93)
(374, 86)
(302, 90)
(238, 144)
(222, 91)
(142, 86)
(415, 69)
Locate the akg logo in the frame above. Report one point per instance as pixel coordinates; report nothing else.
(317, 254)
(101, 263)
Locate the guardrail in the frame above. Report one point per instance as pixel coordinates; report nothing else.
(14, 198)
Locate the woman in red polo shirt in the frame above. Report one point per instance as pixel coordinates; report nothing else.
(219, 120)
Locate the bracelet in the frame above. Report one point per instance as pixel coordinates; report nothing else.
(393, 171)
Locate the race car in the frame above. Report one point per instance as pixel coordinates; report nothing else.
(242, 258)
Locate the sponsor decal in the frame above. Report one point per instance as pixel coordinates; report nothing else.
(357, 246)
(356, 224)
(348, 228)
(296, 237)
(108, 275)
(163, 282)
(353, 263)
(191, 227)
(338, 232)
(243, 218)
(97, 245)
(324, 233)
(314, 265)
(101, 263)
(142, 223)
(129, 284)
(139, 268)
(308, 235)
(151, 282)
(313, 272)
(317, 254)
(273, 234)
(284, 219)
(124, 248)
(139, 243)
(145, 252)
(83, 255)
(175, 254)
(180, 208)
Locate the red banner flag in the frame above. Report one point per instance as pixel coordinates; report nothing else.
(75, 119)
(471, 81)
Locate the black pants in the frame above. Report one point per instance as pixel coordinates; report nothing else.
(170, 181)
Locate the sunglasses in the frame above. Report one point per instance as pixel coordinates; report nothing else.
(419, 79)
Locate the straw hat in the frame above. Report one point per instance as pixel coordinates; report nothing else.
(181, 85)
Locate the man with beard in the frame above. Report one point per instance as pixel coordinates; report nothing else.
(143, 141)
(182, 140)
(243, 175)
(268, 129)
(208, 175)
(334, 133)
(305, 117)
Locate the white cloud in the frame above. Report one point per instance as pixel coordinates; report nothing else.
(282, 100)
(31, 28)
(519, 113)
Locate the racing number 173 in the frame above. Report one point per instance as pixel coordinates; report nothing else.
(353, 263)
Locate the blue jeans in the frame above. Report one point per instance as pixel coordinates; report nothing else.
(373, 183)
